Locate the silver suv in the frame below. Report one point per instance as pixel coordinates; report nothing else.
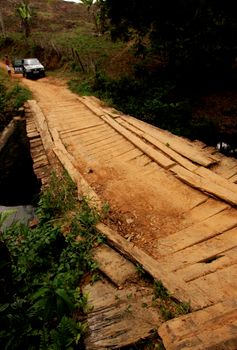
(32, 68)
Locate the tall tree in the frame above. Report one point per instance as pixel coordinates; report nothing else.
(24, 12)
(2, 24)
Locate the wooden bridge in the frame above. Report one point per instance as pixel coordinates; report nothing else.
(173, 207)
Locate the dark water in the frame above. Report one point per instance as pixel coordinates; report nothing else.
(18, 183)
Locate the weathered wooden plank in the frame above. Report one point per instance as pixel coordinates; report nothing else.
(177, 144)
(89, 104)
(141, 161)
(129, 155)
(217, 179)
(200, 252)
(114, 266)
(162, 147)
(100, 144)
(203, 211)
(218, 286)
(213, 328)
(192, 272)
(40, 163)
(204, 185)
(119, 150)
(41, 124)
(148, 150)
(119, 317)
(199, 232)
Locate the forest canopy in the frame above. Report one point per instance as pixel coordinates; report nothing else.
(186, 33)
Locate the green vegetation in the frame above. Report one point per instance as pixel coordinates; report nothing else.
(42, 305)
(12, 97)
(24, 12)
(169, 307)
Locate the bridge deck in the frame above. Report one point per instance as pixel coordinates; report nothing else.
(175, 200)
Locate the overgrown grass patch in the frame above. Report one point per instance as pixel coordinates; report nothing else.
(169, 307)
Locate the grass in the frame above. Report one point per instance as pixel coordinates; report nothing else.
(169, 307)
(12, 97)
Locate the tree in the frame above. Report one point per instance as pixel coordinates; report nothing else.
(187, 33)
(24, 12)
(2, 25)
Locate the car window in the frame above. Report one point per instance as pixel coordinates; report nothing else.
(17, 62)
(31, 61)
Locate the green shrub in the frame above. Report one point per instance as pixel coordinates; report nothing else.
(43, 305)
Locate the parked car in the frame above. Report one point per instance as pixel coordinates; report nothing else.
(32, 68)
(17, 65)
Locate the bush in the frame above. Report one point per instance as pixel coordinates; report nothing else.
(42, 306)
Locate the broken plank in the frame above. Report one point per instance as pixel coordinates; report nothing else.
(203, 251)
(221, 260)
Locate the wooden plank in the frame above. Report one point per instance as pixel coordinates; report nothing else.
(141, 161)
(119, 318)
(89, 104)
(129, 155)
(218, 286)
(148, 150)
(200, 252)
(199, 232)
(177, 144)
(213, 328)
(203, 211)
(107, 142)
(222, 260)
(108, 148)
(41, 124)
(204, 185)
(40, 164)
(114, 266)
(116, 152)
(217, 179)
(162, 147)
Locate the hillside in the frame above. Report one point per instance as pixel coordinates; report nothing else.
(48, 16)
